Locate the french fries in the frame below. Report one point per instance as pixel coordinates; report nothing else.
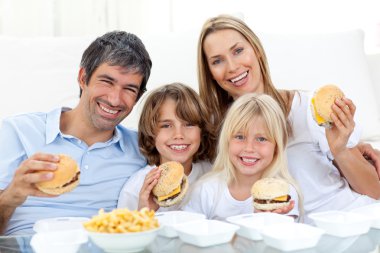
(122, 221)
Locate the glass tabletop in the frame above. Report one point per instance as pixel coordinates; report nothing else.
(365, 243)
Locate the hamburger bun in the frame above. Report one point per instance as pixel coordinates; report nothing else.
(270, 193)
(66, 177)
(171, 186)
(321, 104)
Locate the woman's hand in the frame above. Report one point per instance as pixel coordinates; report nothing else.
(343, 118)
(146, 196)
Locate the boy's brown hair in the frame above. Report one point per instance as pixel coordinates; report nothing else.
(189, 108)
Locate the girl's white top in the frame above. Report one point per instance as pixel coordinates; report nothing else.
(212, 198)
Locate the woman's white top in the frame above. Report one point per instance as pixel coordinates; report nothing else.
(212, 198)
(129, 195)
(310, 163)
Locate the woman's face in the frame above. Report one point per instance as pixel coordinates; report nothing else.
(233, 63)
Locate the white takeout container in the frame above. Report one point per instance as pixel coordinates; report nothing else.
(65, 241)
(59, 224)
(169, 220)
(372, 211)
(291, 236)
(342, 224)
(204, 233)
(252, 224)
(124, 242)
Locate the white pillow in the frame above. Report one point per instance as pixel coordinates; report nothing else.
(308, 61)
(39, 73)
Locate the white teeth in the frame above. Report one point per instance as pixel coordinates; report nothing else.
(178, 147)
(247, 160)
(239, 77)
(108, 110)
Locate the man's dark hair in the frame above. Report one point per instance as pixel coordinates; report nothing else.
(117, 48)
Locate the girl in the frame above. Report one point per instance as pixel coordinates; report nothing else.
(328, 166)
(251, 146)
(174, 126)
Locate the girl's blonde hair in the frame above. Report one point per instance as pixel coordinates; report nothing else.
(242, 112)
(216, 99)
(189, 108)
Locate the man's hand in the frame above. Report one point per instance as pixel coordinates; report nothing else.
(371, 155)
(33, 170)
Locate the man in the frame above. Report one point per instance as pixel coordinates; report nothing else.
(113, 74)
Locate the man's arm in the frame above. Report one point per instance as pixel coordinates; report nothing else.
(359, 173)
(371, 154)
(23, 184)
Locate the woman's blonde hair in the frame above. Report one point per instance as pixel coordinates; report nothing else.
(245, 110)
(216, 99)
(189, 108)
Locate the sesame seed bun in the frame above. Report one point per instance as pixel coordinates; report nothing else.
(172, 176)
(66, 177)
(266, 190)
(321, 104)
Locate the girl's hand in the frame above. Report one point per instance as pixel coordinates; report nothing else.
(283, 210)
(146, 196)
(343, 118)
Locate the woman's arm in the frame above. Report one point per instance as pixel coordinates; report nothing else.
(359, 173)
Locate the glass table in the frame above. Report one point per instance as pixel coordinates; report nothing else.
(365, 243)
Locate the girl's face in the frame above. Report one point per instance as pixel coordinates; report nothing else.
(233, 63)
(253, 152)
(176, 140)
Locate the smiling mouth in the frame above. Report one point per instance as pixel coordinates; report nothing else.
(236, 80)
(179, 147)
(113, 112)
(249, 160)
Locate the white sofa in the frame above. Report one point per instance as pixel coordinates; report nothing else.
(40, 73)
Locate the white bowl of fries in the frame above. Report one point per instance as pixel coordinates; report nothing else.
(122, 230)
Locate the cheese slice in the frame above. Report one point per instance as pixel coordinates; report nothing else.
(281, 198)
(318, 118)
(174, 192)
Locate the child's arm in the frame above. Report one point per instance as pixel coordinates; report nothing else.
(146, 196)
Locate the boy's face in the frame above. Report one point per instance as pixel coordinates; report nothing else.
(109, 96)
(176, 140)
(251, 153)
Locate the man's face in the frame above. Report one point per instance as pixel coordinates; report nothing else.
(109, 96)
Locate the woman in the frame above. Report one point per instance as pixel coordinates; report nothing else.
(231, 63)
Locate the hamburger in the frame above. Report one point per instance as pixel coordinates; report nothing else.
(171, 186)
(65, 179)
(321, 104)
(270, 193)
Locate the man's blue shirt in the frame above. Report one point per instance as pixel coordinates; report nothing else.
(105, 167)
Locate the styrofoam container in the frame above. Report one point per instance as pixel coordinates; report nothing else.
(252, 224)
(64, 241)
(204, 233)
(124, 242)
(342, 224)
(59, 224)
(291, 236)
(169, 220)
(372, 211)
